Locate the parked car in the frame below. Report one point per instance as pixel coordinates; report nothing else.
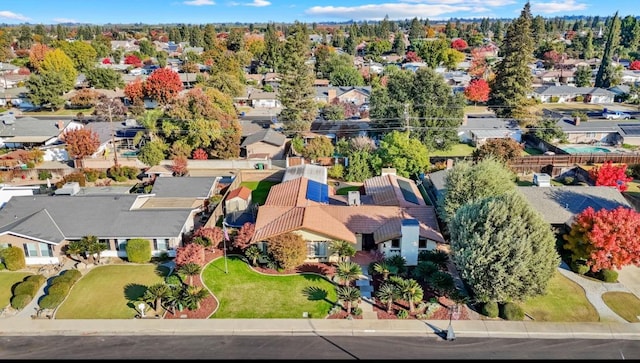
(616, 115)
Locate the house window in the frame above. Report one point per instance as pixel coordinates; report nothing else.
(45, 249)
(422, 243)
(5, 245)
(317, 249)
(395, 243)
(591, 134)
(161, 244)
(30, 250)
(121, 244)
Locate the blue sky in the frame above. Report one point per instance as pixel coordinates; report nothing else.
(254, 11)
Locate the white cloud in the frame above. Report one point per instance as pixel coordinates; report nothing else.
(5, 14)
(199, 2)
(259, 3)
(492, 3)
(65, 20)
(394, 11)
(557, 6)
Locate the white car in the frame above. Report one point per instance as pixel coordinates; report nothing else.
(616, 115)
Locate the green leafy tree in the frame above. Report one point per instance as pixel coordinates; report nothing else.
(512, 82)
(362, 166)
(606, 71)
(153, 152)
(81, 53)
(582, 76)
(346, 76)
(416, 30)
(549, 130)
(296, 92)
(56, 61)
(318, 147)
(407, 155)
(104, 78)
(467, 182)
(486, 235)
(45, 91)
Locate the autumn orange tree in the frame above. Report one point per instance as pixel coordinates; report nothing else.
(612, 175)
(179, 165)
(81, 142)
(191, 253)
(288, 250)
(37, 54)
(134, 90)
(459, 44)
(605, 239)
(242, 240)
(163, 85)
(504, 149)
(477, 90)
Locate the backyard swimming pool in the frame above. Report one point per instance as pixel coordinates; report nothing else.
(586, 150)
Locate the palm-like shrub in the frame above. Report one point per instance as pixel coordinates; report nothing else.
(155, 293)
(194, 296)
(398, 262)
(253, 253)
(384, 269)
(440, 258)
(190, 269)
(343, 249)
(349, 295)
(388, 293)
(410, 290)
(346, 272)
(424, 270)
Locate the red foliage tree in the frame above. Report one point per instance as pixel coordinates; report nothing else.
(132, 60)
(200, 154)
(607, 239)
(412, 56)
(81, 142)
(163, 85)
(478, 66)
(106, 61)
(635, 65)
(477, 90)
(609, 174)
(134, 90)
(242, 240)
(551, 58)
(191, 253)
(24, 71)
(179, 165)
(213, 234)
(459, 44)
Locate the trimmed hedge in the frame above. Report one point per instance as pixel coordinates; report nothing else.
(39, 279)
(18, 302)
(607, 275)
(72, 275)
(51, 301)
(491, 309)
(26, 288)
(139, 250)
(59, 288)
(512, 311)
(14, 258)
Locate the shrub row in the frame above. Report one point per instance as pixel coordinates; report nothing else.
(59, 288)
(26, 290)
(507, 311)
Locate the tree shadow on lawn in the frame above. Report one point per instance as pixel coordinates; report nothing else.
(314, 293)
(133, 293)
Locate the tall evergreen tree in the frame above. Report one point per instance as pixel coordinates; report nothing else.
(272, 47)
(513, 75)
(296, 92)
(606, 72)
(503, 248)
(416, 30)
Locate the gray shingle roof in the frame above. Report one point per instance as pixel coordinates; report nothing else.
(53, 218)
(559, 204)
(268, 136)
(29, 126)
(184, 187)
(564, 90)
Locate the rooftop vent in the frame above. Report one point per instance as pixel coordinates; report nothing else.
(354, 197)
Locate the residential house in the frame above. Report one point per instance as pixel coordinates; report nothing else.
(26, 132)
(239, 208)
(126, 45)
(614, 132)
(271, 78)
(436, 184)
(621, 92)
(264, 143)
(193, 191)
(113, 132)
(630, 76)
(312, 172)
(388, 215)
(561, 76)
(43, 225)
(261, 99)
(561, 94)
(358, 95)
(558, 205)
(413, 66)
(477, 130)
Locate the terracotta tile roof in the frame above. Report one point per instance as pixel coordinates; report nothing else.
(242, 192)
(287, 210)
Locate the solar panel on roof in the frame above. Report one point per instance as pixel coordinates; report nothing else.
(317, 192)
(407, 192)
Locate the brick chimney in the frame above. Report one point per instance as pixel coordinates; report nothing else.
(60, 125)
(576, 120)
(331, 94)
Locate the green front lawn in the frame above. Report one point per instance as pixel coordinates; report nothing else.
(260, 190)
(346, 190)
(456, 150)
(7, 280)
(110, 292)
(565, 301)
(245, 294)
(624, 304)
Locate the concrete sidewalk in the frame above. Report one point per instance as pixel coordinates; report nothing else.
(325, 327)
